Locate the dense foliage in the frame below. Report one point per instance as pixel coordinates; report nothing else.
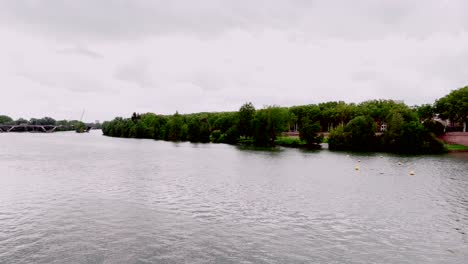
(454, 106)
(375, 125)
(358, 134)
(260, 127)
(404, 132)
(5, 119)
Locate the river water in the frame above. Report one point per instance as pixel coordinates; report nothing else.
(86, 198)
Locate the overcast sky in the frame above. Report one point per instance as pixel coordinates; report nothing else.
(114, 57)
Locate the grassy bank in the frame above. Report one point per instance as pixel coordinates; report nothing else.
(456, 147)
(290, 142)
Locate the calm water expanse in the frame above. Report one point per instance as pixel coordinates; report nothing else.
(86, 198)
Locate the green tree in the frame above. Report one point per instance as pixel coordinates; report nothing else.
(309, 133)
(328, 119)
(149, 126)
(174, 130)
(425, 112)
(394, 129)
(204, 131)
(337, 139)
(267, 124)
(358, 134)
(246, 115)
(345, 112)
(193, 130)
(409, 136)
(361, 133)
(47, 121)
(215, 136)
(224, 121)
(80, 127)
(434, 127)
(303, 113)
(231, 136)
(454, 106)
(5, 119)
(184, 132)
(21, 121)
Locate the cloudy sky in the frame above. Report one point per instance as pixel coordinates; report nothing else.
(114, 57)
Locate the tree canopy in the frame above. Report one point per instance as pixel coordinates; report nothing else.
(454, 106)
(351, 126)
(5, 119)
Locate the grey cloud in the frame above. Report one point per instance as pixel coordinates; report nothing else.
(136, 72)
(80, 50)
(37, 78)
(207, 81)
(128, 20)
(364, 75)
(117, 19)
(66, 81)
(451, 65)
(86, 85)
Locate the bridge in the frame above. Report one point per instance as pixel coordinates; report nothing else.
(28, 128)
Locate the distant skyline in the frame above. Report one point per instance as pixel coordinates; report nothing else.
(114, 57)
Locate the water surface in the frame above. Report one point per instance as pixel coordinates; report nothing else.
(86, 198)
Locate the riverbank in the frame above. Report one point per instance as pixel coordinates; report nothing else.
(455, 141)
(456, 148)
(296, 142)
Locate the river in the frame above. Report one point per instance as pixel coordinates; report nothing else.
(85, 198)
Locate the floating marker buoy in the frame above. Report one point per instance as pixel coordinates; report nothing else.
(358, 160)
(356, 168)
(399, 163)
(381, 156)
(411, 172)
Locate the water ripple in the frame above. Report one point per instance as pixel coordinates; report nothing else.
(71, 198)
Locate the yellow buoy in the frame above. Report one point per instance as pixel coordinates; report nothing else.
(411, 172)
(356, 168)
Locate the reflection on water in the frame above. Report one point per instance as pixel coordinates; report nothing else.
(85, 198)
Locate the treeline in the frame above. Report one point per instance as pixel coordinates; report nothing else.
(376, 125)
(404, 132)
(248, 126)
(62, 125)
